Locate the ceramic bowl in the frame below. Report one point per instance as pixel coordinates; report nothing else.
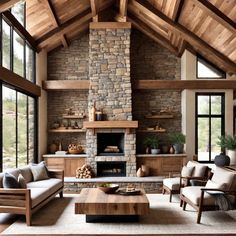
(108, 188)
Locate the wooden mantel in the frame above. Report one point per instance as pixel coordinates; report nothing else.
(112, 124)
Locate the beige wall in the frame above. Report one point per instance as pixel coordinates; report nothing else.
(41, 74)
(188, 72)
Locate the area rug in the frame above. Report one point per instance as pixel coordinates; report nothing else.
(58, 218)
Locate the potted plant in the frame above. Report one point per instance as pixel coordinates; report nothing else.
(228, 142)
(153, 143)
(178, 141)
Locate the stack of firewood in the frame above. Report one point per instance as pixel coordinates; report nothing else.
(84, 172)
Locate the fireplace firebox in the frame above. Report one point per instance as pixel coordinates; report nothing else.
(110, 144)
(111, 168)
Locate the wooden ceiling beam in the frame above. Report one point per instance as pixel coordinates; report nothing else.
(178, 10)
(122, 16)
(7, 4)
(94, 9)
(10, 19)
(141, 26)
(55, 20)
(217, 58)
(184, 84)
(64, 28)
(216, 14)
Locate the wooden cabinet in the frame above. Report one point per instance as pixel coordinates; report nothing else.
(71, 165)
(68, 164)
(162, 164)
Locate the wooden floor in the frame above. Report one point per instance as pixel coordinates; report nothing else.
(6, 220)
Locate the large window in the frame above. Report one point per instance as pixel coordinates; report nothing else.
(18, 108)
(18, 117)
(209, 124)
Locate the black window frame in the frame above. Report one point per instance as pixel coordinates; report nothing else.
(202, 60)
(27, 93)
(222, 116)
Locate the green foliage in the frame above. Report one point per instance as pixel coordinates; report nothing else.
(177, 138)
(151, 142)
(227, 141)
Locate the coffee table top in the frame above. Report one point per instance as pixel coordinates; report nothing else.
(93, 201)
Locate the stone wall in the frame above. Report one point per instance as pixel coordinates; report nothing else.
(109, 72)
(68, 63)
(151, 61)
(110, 88)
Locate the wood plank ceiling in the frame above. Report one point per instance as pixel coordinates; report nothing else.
(207, 27)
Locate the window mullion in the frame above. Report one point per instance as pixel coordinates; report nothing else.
(209, 128)
(16, 129)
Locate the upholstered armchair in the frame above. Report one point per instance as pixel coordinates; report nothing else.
(192, 171)
(222, 184)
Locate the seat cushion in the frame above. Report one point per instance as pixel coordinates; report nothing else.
(38, 195)
(223, 176)
(193, 193)
(172, 183)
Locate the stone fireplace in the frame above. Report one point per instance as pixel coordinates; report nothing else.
(111, 168)
(110, 88)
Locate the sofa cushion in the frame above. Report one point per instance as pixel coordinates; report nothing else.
(38, 195)
(172, 183)
(27, 174)
(14, 172)
(10, 181)
(47, 183)
(21, 181)
(199, 170)
(193, 193)
(39, 172)
(223, 176)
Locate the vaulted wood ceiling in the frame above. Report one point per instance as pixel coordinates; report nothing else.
(207, 27)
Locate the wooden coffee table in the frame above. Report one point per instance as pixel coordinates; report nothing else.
(101, 207)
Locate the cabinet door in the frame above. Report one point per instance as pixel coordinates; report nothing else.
(171, 165)
(55, 163)
(152, 163)
(72, 164)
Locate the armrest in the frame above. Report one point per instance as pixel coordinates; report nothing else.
(16, 191)
(218, 190)
(58, 174)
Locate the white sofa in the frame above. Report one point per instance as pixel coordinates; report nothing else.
(28, 200)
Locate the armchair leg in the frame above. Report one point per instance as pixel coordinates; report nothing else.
(184, 205)
(163, 190)
(170, 197)
(181, 202)
(199, 215)
(61, 194)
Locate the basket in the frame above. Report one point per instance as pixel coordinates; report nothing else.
(75, 149)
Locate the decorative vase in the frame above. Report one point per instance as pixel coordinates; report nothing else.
(155, 151)
(145, 169)
(165, 149)
(222, 160)
(147, 150)
(232, 156)
(172, 150)
(140, 172)
(179, 147)
(53, 148)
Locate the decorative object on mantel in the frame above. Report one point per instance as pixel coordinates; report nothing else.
(84, 172)
(75, 148)
(92, 112)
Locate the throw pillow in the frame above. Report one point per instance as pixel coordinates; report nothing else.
(10, 181)
(39, 171)
(212, 184)
(187, 171)
(21, 181)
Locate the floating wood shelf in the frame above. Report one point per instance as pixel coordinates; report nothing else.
(73, 117)
(66, 84)
(67, 130)
(159, 116)
(151, 131)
